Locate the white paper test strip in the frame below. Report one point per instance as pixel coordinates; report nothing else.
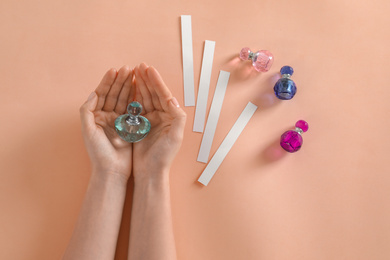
(227, 144)
(188, 60)
(204, 84)
(212, 120)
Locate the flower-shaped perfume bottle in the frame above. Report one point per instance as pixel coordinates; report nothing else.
(261, 60)
(291, 140)
(285, 88)
(132, 127)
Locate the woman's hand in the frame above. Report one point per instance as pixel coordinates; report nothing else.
(109, 154)
(151, 231)
(153, 155)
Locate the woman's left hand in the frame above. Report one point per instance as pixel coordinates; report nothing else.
(109, 154)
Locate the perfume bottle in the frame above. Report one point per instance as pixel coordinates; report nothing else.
(292, 140)
(261, 60)
(285, 87)
(132, 127)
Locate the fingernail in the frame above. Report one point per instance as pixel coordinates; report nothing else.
(174, 102)
(91, 96)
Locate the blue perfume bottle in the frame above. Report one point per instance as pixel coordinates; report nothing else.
(132, 127)
(285, 88)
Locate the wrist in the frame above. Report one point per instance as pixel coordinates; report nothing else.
(112, 178)
(152, 178)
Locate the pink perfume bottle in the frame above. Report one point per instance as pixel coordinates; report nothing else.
(292, 140)
(261, 60)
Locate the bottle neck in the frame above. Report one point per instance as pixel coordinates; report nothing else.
(251, 56)
(299, 130)
(133, 120)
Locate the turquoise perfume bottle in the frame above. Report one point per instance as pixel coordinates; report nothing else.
(132, 127)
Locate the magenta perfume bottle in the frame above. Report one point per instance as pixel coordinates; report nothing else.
(292, 140)
(261, 60)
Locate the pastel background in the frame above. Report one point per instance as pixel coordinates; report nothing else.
(331, 200)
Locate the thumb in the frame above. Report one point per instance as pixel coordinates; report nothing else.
(86, 113)
(179, 119)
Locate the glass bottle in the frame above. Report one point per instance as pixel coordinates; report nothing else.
(132, 127)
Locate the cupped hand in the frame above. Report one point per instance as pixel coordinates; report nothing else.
(109, 154)
(153, 155)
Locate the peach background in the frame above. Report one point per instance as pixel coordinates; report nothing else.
(331, 200)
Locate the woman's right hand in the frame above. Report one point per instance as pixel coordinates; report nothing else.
(153, 156)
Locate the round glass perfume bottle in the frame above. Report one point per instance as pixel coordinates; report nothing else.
(261, 60)
(132, 127)
(285, 87)
(291, 140)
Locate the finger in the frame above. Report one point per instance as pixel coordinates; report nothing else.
(86, 113)
(121, 105)
(169, 104)
(112, 96)
(104, 87)
(179, 120)
(155, 99)
(143, 90)
(133, 89)
(162, 91)
(137, 96)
